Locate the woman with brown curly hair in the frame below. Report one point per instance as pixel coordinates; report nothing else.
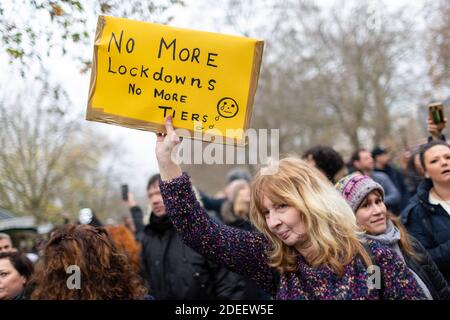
(104, 272)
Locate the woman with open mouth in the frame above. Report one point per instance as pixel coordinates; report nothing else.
(427, 217)
(366, 198)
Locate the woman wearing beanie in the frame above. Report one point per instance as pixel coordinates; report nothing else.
(366, 198)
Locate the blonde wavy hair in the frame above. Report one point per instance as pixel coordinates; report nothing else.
(330, 223)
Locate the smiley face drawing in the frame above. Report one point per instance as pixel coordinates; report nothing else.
(227, 107)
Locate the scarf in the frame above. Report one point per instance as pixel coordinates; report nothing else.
(160, 224)
(390, 237)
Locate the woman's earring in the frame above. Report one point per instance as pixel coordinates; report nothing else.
(427, 175)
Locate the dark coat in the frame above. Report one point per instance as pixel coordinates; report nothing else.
(175, 271)
(399, 181)
(212, 205)
(430, 224)
(427, 270)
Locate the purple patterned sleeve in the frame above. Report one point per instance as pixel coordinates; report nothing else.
(241, 251)
(399, 283)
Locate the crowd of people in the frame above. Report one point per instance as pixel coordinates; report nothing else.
(317, 228)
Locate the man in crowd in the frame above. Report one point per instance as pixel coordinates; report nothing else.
(362, 161)
(6, 243)
(327, 160)
(382, 163)
(172, 269)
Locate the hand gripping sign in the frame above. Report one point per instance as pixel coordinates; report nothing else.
(143, 72)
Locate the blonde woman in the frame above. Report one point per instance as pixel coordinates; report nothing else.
(307, 246)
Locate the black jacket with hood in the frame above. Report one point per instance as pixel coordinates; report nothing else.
(430, 224)
(176, 272)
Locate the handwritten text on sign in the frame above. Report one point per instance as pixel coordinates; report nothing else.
(143, 72)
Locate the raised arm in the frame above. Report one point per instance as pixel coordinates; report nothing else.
(239, 250)
(435, 130)
(136, 213)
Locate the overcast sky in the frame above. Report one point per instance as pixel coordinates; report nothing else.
(199, 15)
(140, 158)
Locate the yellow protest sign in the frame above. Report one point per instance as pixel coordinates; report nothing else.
(143, 72)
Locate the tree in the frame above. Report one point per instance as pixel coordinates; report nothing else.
(437, 48)
(348, 74)
(49, 162)
(335, 74)
(31, 30)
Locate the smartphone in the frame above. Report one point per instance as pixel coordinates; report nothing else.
(436, 112)
(124, 190)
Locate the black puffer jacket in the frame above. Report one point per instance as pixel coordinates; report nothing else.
(175, 271)
(430, 224)
(427, 270)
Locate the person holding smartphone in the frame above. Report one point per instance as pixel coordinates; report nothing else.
(427, 215)
(436, 122)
